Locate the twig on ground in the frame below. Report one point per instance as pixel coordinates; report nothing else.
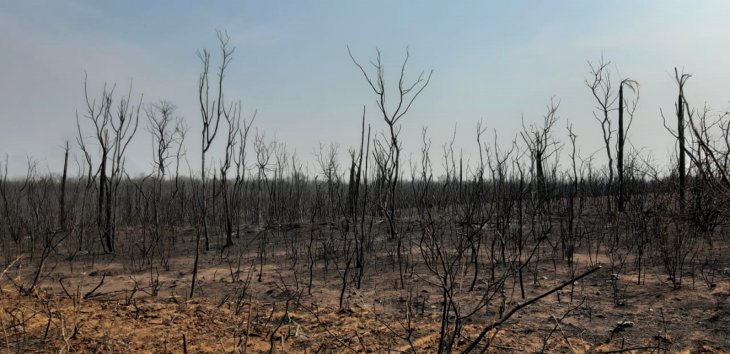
(514, 310)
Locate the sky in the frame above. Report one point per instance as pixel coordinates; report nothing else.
(497, 62)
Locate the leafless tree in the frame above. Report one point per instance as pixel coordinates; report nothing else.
(391, 148)
(234, 127)
(599, 82)
(212, 108)
(239, 160)
(113, 130)
(681, 164)
(542, 146)
(168, 133)
(628, 105)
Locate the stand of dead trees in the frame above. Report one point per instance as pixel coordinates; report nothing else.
(467, 251)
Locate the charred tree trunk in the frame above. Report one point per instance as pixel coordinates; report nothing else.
(681, 140)
(620, 148)
(62, 196)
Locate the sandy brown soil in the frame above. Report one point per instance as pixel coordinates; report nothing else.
(155, 315)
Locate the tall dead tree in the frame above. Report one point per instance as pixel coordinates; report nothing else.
(168, 132)
(239, 160)
(62, 192)
(212, 108)
(599, 82)
(607, 99)
(235, 137)
(113, 130)
(679, 107)
(620, 147)
(624, 105)
(541, 146)
(407, 94)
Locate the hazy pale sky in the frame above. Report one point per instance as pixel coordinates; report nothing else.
(494, 61)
